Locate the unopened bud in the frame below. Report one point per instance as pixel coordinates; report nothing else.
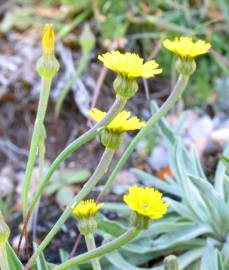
(87, 39)
(47, 65)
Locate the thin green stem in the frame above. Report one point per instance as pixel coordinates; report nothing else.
(169, 103)
(4, 265)
(41, 170)
(37, 131)
(90, 184)
(78, 72)
(90, 242)
(100, 251)
(73, 24)
(117, 106)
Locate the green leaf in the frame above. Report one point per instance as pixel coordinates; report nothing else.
(166, 132)
(111, 227)
(197, 163)
(166, 225)
(220, 174)
(64, 196)
(41, 263)
(120, 263)
(183, 235)
(151, 180)
(209, 260)
(191, 195)
(220, 261)
(14, 262)
(181, 209)
(64, 256)
(121, 208)
(216, 205)
(66, 177)
(117, 260)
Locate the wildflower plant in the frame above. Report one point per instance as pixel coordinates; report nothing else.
(197, 226)
(145, 203)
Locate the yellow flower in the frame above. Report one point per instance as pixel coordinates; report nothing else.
(146, 201)
(186, 48)
(129, 65)
(48, 39)
(86, 209)
(121, 123)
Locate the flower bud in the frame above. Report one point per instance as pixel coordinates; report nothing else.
(171, 263)
(47, 66)
(112, 140)
(4, 230)
(185, 67)
(87, 39)
(125, 87)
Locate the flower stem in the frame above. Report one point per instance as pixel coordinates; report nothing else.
(167, 105)
(90, 184)
(37, 132)
(90, 242)
(100, 251)
(117, 106)
(4, 265)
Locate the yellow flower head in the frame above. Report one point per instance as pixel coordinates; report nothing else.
(146, 201)
(48, 39)
(121, 123)
(86, 209)
(129, 65)
(186, 48)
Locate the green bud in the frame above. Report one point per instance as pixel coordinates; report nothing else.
(4, 230)
(87, 39)
(87, 225)
(125, 87)
(185, 67)
(171, 263)
(112, 140)
(140, 222)
(47, 66)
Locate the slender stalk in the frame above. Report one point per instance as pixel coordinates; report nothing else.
(37, 132)
(169, 103)
(4, 265)
(78, 72)
(100, 251)
(90, 242)
(41, 169)
(117, 106)
(90, 184)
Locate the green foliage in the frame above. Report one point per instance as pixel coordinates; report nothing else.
(13, 260)
(41, 263)
(196, 226)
